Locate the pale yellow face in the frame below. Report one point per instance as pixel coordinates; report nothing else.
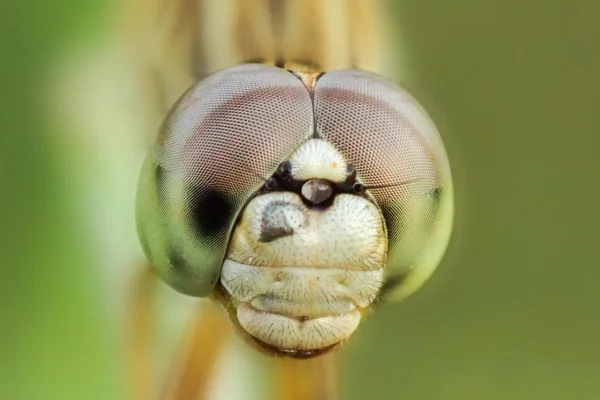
(298, 273)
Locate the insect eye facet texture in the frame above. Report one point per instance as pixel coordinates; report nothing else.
(296, 206)
(218, 140)
(398, 154)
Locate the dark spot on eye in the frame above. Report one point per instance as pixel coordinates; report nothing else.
(176, 259)
(302, 318)
(180, 266)
(212, 212)
(182, 273)
(435, 197)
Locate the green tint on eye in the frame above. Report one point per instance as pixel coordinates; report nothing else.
(400, 157)
(165, 236)
(415, 252)
(218, 141)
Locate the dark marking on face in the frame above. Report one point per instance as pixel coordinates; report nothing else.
(277, 220)
(269, 234)
(212, 213)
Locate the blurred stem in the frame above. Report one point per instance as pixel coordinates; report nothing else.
(140, 327)
(199, 352)
(196, 358)
(198, 355)
(314, 378)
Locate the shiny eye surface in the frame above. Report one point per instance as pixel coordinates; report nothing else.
(296, 205)
(216, 143)
(399, 156)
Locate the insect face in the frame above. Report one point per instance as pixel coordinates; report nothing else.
(296, 205)
(305, 260)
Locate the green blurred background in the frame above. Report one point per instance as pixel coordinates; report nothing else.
(512, 312)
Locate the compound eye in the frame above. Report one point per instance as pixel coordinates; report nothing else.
(218, 140)
(399, 157)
